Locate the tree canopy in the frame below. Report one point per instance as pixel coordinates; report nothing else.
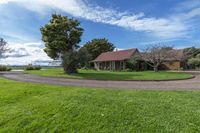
(155, 55)
(194, 61)
(97, 46)
(61, 37)
(85, 57)
(191, 52)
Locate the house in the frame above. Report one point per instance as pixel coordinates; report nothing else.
(115, 60)
(177, 62)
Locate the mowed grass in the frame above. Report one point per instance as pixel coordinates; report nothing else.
(26, 107)
(106, 75)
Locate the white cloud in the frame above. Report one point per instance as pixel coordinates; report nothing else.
(187, 10)
(21, 52)
(25, 53)
(4, 1)
(191, 14)
(171, 27)
(188, 4)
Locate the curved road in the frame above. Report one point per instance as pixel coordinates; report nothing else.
(190, 84)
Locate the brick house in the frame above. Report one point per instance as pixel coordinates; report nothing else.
(117, 60)
(176, 63)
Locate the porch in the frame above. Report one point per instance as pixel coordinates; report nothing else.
(110, 65)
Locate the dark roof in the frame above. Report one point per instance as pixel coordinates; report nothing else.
(116, 55)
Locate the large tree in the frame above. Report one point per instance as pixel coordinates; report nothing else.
(3, 48)
(97, 46)
(61, 37)
(155, 55)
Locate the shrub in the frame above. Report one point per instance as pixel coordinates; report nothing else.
(4, 68)
(30, 67)
(38, 67)
(128, 70)
(70, 62)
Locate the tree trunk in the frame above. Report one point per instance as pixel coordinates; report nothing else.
(70, 70)
(70, 63)
(155, 69)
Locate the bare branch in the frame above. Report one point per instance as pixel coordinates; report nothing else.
(155, 55)
(3, 48)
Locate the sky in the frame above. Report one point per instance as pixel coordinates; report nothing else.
(125, 23)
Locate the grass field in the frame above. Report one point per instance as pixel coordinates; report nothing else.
(26, 107)
(106, 75)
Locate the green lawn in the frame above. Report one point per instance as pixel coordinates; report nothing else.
(26, 107)
(106, 75)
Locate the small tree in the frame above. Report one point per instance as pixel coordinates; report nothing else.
(61, 36)
(97, 46)
(70, 62)
(155, 55)
(191, 52)
(85, 57)
(132, 63)
(195, 61)
(3, 48)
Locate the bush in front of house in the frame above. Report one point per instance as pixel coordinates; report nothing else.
(4, 68)
(30, 67)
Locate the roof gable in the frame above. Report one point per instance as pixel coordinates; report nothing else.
(116, 55)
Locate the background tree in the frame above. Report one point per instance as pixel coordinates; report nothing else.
(191, 52)
(194, 61)
(190, 55)
(155, 55)
(132, 63)
(85, 57)
(3, 48)
(97, 46)
(61, 37)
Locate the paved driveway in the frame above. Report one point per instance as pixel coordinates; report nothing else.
(190, 84)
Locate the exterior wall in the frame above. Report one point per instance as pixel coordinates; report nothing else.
(141, 64)
(174, 65)
(113, 65)
(121, 65)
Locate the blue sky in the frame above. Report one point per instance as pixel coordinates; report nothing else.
(125, 23)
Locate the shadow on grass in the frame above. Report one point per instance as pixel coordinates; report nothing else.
(108, 75)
